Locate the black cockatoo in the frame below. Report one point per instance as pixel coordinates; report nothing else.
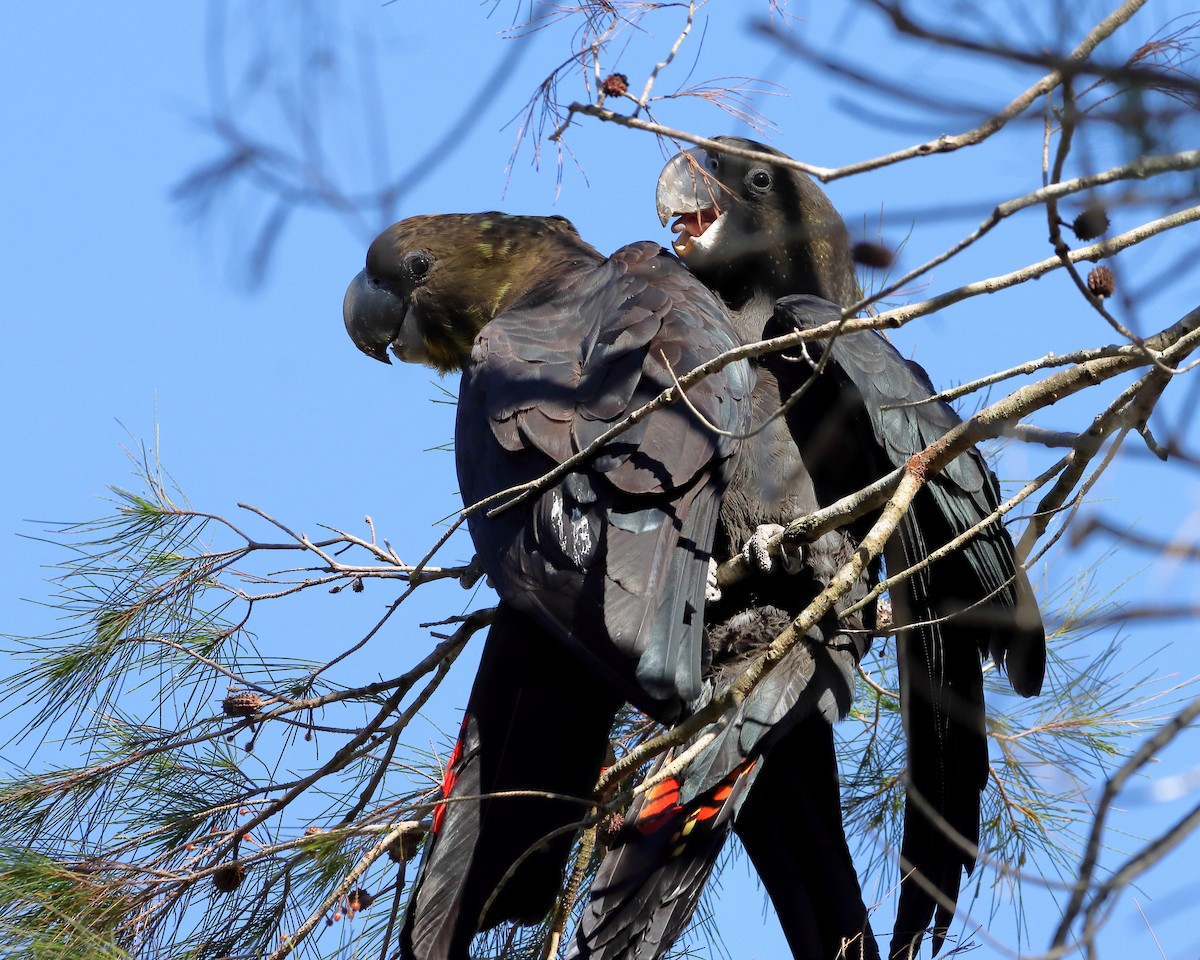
(601, 576)
(756, 232)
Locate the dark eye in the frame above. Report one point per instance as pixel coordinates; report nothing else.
(760, 179)
(712, 161)
(416, 265)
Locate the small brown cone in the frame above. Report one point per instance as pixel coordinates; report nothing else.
(615, 85)
(1101, 282)
(229, 877)
(1090, 224)
(359, 899)
(874, 255)
(608, 828)
(244, 703)
(405, 847)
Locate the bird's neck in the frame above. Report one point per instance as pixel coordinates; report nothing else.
(751, 316)
(750, 294)
(819, 265)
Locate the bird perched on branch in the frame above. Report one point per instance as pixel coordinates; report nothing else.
(602, 572)
(756, 231)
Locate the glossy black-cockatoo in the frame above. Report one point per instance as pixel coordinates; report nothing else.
(756, 232)
(602, 575)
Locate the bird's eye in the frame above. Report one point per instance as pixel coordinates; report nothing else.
(712, 161)
(760, 179)
(416, 265)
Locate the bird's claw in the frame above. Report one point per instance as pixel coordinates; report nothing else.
(759, 554)
(792, 555)
(472, 573)
(712, 590)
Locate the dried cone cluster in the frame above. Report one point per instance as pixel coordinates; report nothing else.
(245, 703)
(1101, 282)
(615, 85)
(1091, 223)
(874, 255)
(608, 828)
(884, 623)
(405, 847)
(359, 899)
(229, 877)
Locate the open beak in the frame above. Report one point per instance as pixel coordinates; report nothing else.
(377, 319)
(687, 190)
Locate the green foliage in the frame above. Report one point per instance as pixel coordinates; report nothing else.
(54, 911)
(209, 832)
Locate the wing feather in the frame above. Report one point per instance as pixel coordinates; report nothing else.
(613, 558)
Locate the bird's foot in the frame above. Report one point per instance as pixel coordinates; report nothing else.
(885, 625)
(712, 590)
(472, 573)
(762, 556)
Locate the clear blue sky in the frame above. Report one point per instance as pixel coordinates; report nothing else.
(121, 312)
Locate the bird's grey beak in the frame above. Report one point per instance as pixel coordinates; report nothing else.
(376, 318)
(687, 190)
(685, 186)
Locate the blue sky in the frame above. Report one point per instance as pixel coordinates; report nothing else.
(123, 314)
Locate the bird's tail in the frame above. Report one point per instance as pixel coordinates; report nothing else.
(770, 774)
(971, 603)
(531, 727)
(941, 693)
(785, 807)
(791, 826)
(650, 881)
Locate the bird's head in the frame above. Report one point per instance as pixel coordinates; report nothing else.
(754, 226)
(431, 283)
